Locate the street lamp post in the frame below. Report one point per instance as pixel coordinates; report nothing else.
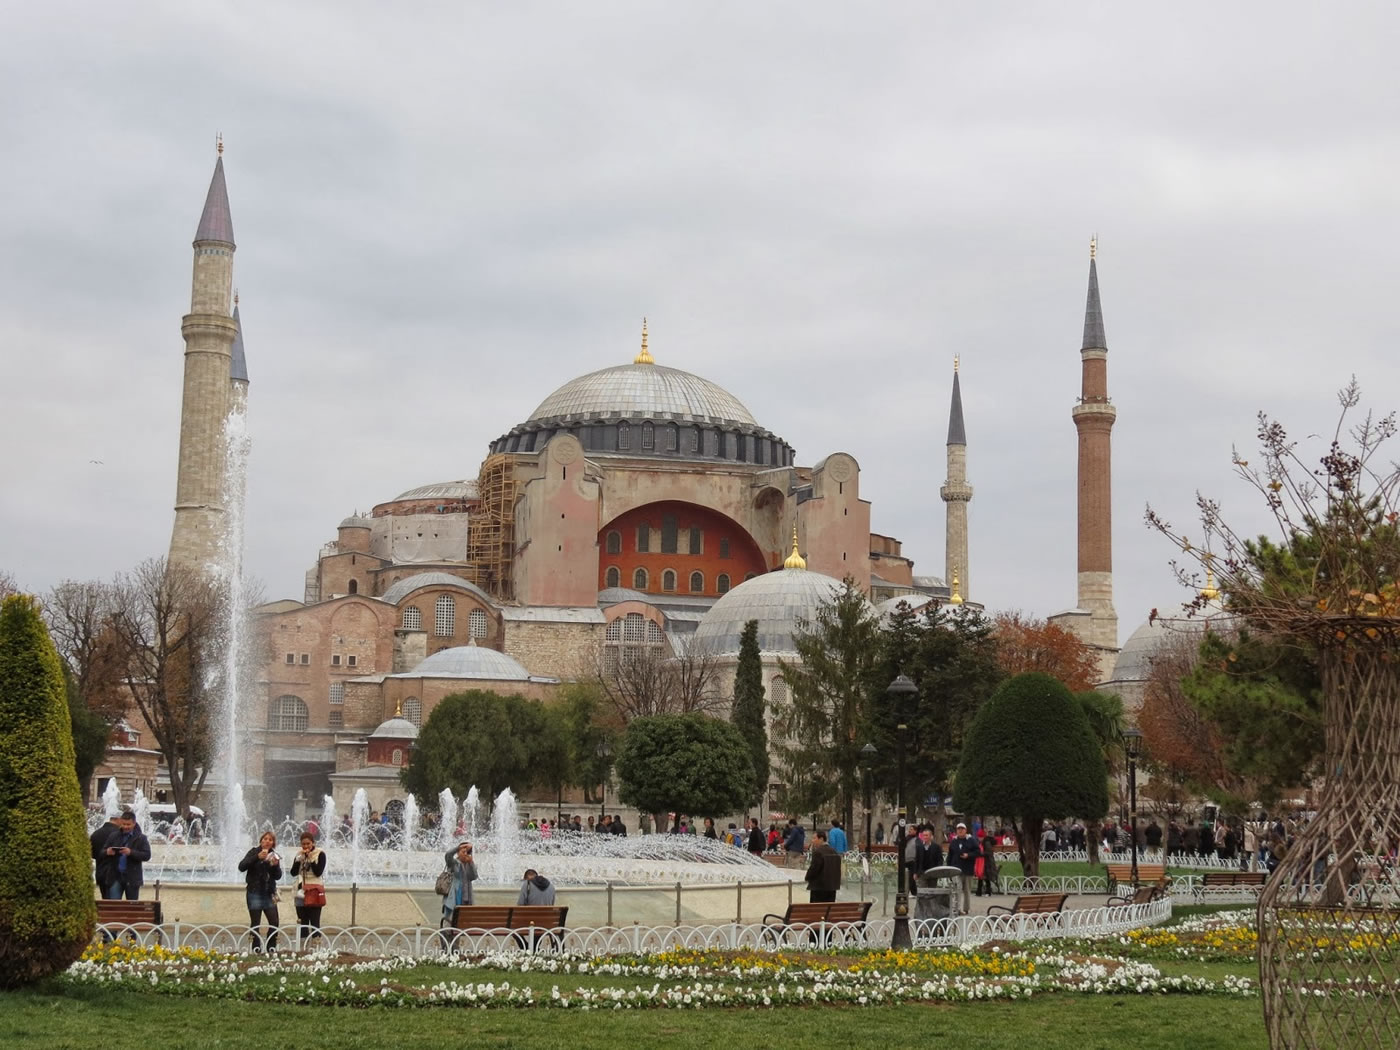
(605, 753)
(898, 690)
(867, 762)
(1132, 748)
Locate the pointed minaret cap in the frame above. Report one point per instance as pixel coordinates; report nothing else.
(957, 435)
(795, 560)
(954, 598)
(1094, 339)
(216, 224)
(238, 364)
(644, 355)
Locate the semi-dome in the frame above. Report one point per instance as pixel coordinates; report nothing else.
(777, 600)
(440, 490)
(396, 728)
(399, 591)
(469, 661)
(642, 391)
(357, 521)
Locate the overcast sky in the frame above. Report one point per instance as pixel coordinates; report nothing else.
(443, 212)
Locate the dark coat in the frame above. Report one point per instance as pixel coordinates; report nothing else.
(261, 877)
(109, 868)
(758, 842)
(963, 853)
(824, 870)
(97, 843)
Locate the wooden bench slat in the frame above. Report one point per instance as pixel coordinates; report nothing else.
(809, 914)
(516, 917)
(1034, 904)
(129, 912)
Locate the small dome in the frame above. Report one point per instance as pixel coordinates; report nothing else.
(1134, 663)
(395, 728)
(401, 590)
(777, 600)
(357, 521)
(440, 490)
(915, 602)
(469, 661)
(642, 391)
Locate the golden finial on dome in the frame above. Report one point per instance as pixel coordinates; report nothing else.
(219, 143)
(644, 355)
(795, 560)
(1210, 592)
(954, 598)
(1093, 246)
(398, 708)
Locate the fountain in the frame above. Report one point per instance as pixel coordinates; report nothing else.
(410, 824)
(473, 807)
(141, 806)
(328, 818)
(111, 800)
(447, 826)
(505, 831)
(359, 813)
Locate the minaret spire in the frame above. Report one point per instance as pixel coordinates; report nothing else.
(1094, 416)
(644, 355)
(956, 492)
(238, 364)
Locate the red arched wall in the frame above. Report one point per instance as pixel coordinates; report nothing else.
(744, 556)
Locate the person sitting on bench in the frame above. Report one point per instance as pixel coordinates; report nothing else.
(536, 889)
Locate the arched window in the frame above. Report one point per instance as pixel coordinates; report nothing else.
(654, 636)
(668, 580)
(287, 715)
(337, 692)
(722, 584)
(695, 539)
(614, 578)
(614, 542)
(413, 710)
(445, 626)
(633, 628)
(673, 437)
(624, 435)
(397, 758)
(413, 618)
(639, 580)
(697, 582)
(643, 538)
(477, 622)
(648, 436)
(629, 639)
(354, 586)
(614, 634)
(669, 534)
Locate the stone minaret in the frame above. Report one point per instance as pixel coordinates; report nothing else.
(1093, 418)
(210, 333)
(956, 493)
(238, 366)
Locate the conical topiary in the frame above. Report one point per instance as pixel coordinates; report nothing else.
(46, 889)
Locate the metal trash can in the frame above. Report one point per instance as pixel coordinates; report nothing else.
(934, 900)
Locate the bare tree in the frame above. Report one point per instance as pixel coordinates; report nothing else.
(8, 585)
(650, 678)
(165, 619)
(79, 618)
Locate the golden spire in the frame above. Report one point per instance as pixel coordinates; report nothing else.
(1093, 246)
(955, 363)
(398, 708)
(1210, 592)
(644, 355)
(795, 560)
(954, 598)
(219, 143)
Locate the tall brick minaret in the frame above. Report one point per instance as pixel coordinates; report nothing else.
(209, 333)
(1093, 419)
(956, 493)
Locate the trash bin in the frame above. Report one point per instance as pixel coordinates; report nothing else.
(935, 899)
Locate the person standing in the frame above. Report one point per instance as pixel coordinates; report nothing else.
(963, 852)
(618, 828)
(458, 861)
(926, 854)
(836, 837)
(262, 867)
(309, 864)
(757, 842)
(97, 844)
(795, 841)
(823, 871)
(125, 849)
(987, 877)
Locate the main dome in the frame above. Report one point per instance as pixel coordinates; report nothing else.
(642, 391)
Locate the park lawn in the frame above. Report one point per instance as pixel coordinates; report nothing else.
(58, 1017)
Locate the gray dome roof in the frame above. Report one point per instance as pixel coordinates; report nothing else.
(915, 602)
(396, 728)
(777, 600)
(469, 661)
(440, 490)
(1134, 663)
(401, 590)
(357, 521)
(642, 391)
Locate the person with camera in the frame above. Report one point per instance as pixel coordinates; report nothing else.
(458, 861)
(119, 858)
(263, 867)
(309, 864)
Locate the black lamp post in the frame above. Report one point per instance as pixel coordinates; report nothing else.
(899, 690)
(1132, 748)
(605, 753)
(812, 771)
(867, 762)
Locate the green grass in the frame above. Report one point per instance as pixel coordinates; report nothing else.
(83, 1018)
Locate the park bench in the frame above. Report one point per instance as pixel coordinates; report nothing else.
(1033, 904)
(1142, 895)
(1148, 874)
(1214, 880)
(547, 919)
(135, 916)
(818, 919)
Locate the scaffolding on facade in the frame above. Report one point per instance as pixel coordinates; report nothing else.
(491, 542)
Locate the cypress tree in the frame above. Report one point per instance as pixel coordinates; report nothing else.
(46, 889)
(747, 712)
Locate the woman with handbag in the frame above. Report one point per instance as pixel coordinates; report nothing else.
(310, 865)
(263, 867)
(462, 868)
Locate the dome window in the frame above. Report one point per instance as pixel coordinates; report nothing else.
(477, 623)
(697, 583)
(648, 436)
(624, 435)
(413, 618)
(614, 577)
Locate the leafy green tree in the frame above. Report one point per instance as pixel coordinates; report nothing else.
(46, 894)
(90, 733)
(951, 656)
(747, 712)
(482, 738)
(689, 764)
(829, 689)
(1031, 754)
(588, 724)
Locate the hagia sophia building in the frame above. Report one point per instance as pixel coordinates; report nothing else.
(639, 507)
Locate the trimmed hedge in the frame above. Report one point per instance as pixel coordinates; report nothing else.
(47, 912)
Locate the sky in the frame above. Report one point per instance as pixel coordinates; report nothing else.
(445, 211)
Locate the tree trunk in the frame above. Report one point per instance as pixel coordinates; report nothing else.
(1093, 832)
(1029, 846)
